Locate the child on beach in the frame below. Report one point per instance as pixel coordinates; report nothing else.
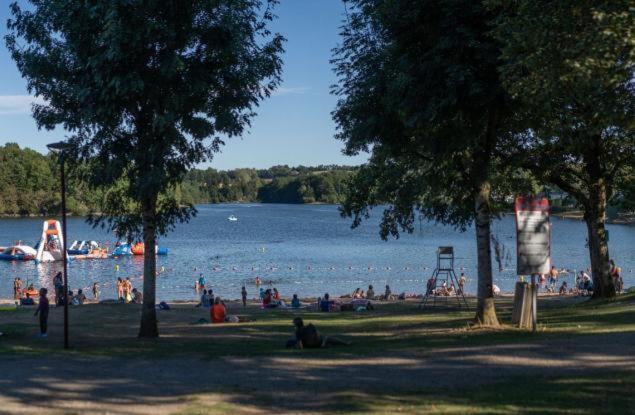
(96, 291)
(120, 289)
(17, 288)
(295, 301)
(43, 311)
(243, 294)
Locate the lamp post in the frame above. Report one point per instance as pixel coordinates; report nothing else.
(60, 148)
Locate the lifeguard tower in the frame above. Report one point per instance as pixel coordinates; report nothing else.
(443, 276)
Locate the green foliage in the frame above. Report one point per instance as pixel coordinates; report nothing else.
(419, 88)
(146, 88)
(569, 64)
(29, 184)
(278, 184)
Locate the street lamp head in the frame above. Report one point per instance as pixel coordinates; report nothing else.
(59, 147)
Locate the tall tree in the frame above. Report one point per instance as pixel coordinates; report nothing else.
(146, 87)
(570, 65)
(419, 88)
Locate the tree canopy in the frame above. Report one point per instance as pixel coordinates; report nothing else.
(146, 89)
(570, 67)
(419, 88)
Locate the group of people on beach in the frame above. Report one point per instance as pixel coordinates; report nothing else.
(444, 289)
(583, 284)
(126, 293)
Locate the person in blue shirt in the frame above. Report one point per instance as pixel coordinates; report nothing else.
(201, 281)
(295, 301)
(326, 303)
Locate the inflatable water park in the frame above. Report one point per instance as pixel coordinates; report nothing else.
(124, 249)
(18, 253)
(49, 248)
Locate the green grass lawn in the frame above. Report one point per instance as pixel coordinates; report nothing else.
(109, 330)
(597, 394)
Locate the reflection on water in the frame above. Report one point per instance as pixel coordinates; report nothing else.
(302, 249)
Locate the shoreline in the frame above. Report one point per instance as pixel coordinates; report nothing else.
(624, 218)
(304, 300)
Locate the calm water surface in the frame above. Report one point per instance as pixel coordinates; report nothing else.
(304, 249)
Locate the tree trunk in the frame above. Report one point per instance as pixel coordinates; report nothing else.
(485, 310)
(149, 326)
(595, 217)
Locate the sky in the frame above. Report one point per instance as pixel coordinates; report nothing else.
(292, 127)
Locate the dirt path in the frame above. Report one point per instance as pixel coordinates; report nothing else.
(296, 384)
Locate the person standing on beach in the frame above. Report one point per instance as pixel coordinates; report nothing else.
(43, 311)
(119, 289)
(127, 290)
(243, 294)
(462, 280)
(17, 288)
(59, 287)
(96, 291)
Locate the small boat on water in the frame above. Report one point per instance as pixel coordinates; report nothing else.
(232, 218)
(18, 253)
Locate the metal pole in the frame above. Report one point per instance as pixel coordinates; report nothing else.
(534, 304)
(64, 251)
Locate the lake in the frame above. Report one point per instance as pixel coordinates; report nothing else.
(303, 249)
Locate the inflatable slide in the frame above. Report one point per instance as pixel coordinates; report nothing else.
(49, 249)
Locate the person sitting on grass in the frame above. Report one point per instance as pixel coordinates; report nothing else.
(443, 289)
(81, 297)
(452, 289)
(204, 302)
(72, 299)
(387, 293)
(370, 293)
(308, 337)
(217, 311)
(137, 297)
(563, 288)
(326, 304)
(266, 299)
(295, 301)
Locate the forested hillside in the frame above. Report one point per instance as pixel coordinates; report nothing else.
(30, 185)
(278, 184)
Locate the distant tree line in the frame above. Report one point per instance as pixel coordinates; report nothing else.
(30, 185)
(278, 184)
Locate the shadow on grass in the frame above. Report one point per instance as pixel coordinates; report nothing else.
(402, 360)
